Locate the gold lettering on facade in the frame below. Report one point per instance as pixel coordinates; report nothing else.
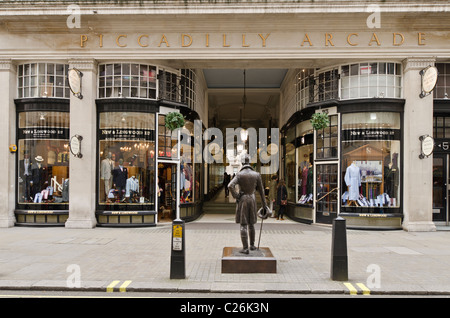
(328, 38)
(140, 38)
(118, 40)
(163, 40)
(83, 39)
(224, 44)
(395, 36)
(183, 42)
(350, 42)
(263, 38)
(374, 38)
(421, 38)
(187, 40)
(243, 41)
(306, 39)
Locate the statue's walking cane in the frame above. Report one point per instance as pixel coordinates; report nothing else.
(260, 230)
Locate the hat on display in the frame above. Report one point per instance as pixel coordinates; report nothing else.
(39, 158)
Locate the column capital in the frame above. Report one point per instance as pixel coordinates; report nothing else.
(417, 63)
(7, 65)
(84, 65)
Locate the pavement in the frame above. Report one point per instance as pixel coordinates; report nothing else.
(138, 259)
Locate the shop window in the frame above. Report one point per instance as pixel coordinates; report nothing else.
(290, 175)
(327, 140)
(43, 161)
(367, 80)
(127, 80)
(126, 160)
(166, 145)
(370, 162)
(187, 181)
(442, 89)
(43, 80)
(305, 155)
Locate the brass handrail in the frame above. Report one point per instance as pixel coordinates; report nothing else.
(326, 194)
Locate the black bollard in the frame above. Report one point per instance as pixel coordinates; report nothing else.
(177, 259)
(339, 262)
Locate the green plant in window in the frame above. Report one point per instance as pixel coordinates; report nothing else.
(320, 121)
(174, 120)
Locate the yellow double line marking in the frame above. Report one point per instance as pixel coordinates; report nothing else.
(122, 288)
(354, 291)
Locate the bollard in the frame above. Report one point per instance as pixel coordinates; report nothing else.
(177, 259)
(339, 262)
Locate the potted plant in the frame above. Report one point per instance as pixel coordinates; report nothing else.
(320, 120)
(174, 120)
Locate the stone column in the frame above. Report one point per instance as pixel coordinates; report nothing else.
(8, 81)
(82, 172)
(417, 173)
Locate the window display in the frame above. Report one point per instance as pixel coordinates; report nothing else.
(371, 161)
(43, 161)
(290, 174)
(126, 159)
(305, 149)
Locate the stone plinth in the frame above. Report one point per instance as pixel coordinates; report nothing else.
(257, 261)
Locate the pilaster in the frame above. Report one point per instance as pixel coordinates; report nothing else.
(7, 137)
(417, 173)
(82, 173)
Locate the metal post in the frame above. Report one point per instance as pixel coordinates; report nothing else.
(339, 261)
(178, 259)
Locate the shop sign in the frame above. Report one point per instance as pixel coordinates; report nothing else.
(75, 146)
(371, 134)
(74, 79)
(127, 134)
(429, 80)
(43, 133)
(427, 146)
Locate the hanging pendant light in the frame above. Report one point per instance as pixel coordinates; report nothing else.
(244, 132)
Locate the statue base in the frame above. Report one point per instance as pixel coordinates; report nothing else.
(257, 261)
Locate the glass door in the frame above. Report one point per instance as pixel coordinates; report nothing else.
(440, 182)
(326, 203)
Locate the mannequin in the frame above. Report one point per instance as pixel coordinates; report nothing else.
(353, 180)
(25, 166)
(37, 176)
(106, 173)
(120, 175)
(132, 188)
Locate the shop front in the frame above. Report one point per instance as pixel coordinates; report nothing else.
(353, 166)
(42, 121)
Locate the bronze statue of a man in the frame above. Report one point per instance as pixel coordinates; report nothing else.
(248, 181)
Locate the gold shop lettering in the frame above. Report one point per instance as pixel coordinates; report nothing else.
(252, 40)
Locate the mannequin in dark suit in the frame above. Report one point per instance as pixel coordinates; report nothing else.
(120, 176)
(38, 175)
(25, 173)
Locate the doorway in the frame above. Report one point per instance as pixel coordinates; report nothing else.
(440, 187)
(167, 188)
(326, 203)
